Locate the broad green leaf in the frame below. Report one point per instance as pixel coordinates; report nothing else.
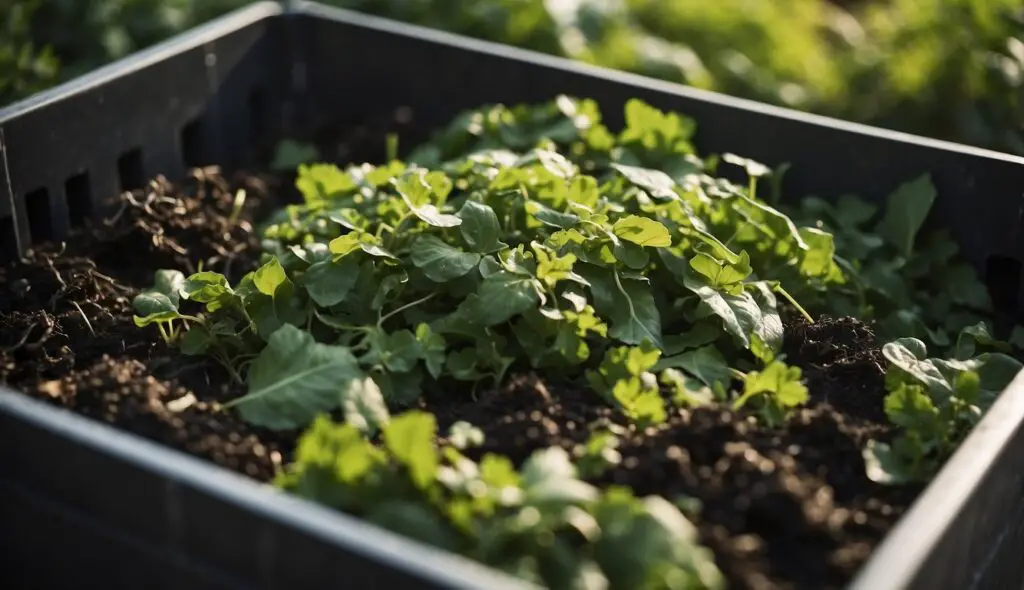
(410, 439)
(205, 287)
(196, 341)
(417, 191)
(439, 261)
(295, 378)
(740, 314)
(170, 283)
(401, 351)
(706, 364)
(635, 317)
(328, 282)
(642, 231)
(907, 209)
(549, 216)
(911, 355)
(502, 296)
(269, 276)
(655, 182)
(320, 182)
(480, 227)
(155, 306)
(345, 244)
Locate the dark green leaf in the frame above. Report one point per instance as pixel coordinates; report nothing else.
(439, 261)
(294, 379)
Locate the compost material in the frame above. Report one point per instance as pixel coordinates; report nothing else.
(781, 508)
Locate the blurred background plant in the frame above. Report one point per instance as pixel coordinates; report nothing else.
(951, 69)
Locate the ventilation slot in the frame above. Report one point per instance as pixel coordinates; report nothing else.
(1003, 279)
(257, 105)
(129, 170)
(192, 144)
(8, 245)
(40, 215)
(79, 197)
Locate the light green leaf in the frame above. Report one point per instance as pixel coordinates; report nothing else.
(643, 231)
(439, 261)
(269, 276)
(295, 378)
(410, 439)
(417, 191)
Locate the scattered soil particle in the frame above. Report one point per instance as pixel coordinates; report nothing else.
(782, 508)
(67, 333)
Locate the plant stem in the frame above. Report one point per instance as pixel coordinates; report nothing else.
(782, 291)
(384, 318)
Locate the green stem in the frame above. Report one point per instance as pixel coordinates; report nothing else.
(163, 333)
(782, 291)
(384, 318)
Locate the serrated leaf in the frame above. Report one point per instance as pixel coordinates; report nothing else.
(295, 378)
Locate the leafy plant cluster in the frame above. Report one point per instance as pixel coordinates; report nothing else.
(540, 523)
(530, 236)
(936, 401)
(534, 237)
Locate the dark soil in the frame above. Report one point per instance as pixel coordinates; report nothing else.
(782, 508)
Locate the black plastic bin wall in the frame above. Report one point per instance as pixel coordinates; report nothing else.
(84, 506)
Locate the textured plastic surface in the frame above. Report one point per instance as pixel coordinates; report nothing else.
(67, 482)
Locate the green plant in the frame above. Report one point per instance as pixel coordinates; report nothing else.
(540, 523)
(529, 236)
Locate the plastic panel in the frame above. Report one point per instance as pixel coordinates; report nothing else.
(184, 102)
(119, 508)
(133, 513)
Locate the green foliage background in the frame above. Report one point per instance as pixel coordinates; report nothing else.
(952, 69)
